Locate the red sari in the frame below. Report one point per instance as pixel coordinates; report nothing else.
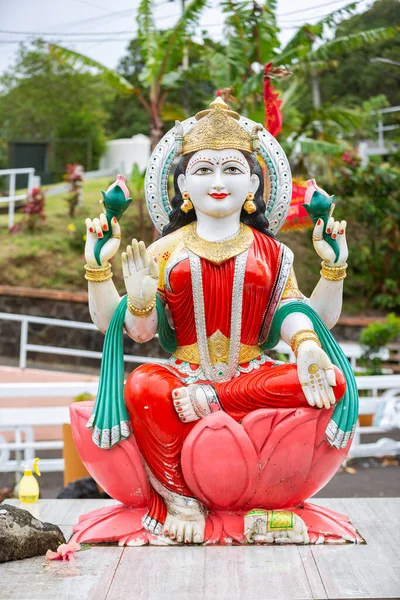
(260, 383)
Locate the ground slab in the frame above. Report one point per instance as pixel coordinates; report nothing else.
(223, 573)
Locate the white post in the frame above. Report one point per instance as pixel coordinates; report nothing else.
(18, 441)
(22, 344)
(381, 142)
(11, 205)
(29, 453)
(34, 181)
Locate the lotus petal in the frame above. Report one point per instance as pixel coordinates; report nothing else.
(219, 462)
(118, 470)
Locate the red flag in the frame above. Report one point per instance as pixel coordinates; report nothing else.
(272, 105)
(297, 217)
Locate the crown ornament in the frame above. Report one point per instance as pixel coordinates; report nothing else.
(217, 129)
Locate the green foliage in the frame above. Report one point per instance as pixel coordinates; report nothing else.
(53, 257)
(369, 198)
(77, 61)
(375, 337)
(358, 77)
(128, 117)
(43, 98)
(76, 235)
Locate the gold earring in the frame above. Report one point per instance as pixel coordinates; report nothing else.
(186, 205)
(249, 205)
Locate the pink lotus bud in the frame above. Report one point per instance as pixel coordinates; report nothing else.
(311, 188)
(121, 181)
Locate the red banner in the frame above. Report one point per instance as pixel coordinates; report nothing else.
(297, 217)
(272, 105)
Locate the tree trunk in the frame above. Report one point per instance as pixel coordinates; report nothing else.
(156, 127)
(316, 95)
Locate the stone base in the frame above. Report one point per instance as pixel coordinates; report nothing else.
(123, 525)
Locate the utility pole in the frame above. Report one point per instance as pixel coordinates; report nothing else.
(315, 91)
(185, 67)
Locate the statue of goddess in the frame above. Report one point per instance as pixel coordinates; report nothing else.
(221, 428)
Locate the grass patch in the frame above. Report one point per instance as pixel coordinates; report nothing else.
(52, 256)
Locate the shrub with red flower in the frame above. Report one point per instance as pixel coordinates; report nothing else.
(351, 158)
(74, 177)
(33, 210)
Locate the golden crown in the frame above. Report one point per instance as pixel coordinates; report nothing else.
(217, 129)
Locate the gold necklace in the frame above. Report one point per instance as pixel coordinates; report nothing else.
(217, 252)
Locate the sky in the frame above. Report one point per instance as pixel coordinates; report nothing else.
(102, 29)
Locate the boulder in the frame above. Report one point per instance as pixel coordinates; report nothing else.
(23, 536)
(82, 488)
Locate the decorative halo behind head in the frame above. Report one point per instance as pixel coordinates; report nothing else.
(218, 128)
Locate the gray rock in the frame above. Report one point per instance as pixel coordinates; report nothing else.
(23, 536)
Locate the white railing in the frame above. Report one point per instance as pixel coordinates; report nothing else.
(374, 386)
(25, 347)
(381, 145)
(381, 129)
(351, 350)
(22, 420)
(12, 197)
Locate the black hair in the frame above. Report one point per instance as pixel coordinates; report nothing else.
(257, 220)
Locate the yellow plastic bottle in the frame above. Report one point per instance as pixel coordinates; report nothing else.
(28, 489)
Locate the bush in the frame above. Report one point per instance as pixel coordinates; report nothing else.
(375, 337)
(370, 200)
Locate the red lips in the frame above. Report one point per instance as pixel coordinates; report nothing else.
(218, 196)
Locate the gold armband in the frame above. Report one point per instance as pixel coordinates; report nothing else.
(141, 312)
(333, 273)
(301, 336)
(98, 274)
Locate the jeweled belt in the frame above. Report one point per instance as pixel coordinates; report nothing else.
(218, 353)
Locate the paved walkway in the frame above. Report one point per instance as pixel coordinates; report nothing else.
(222, 572)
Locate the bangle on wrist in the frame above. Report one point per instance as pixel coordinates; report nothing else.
(333, 273)
(304, 335)
(141, 312)
(98, 274)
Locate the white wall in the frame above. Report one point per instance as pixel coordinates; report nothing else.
(122, 154)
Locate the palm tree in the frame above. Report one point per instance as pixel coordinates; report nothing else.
(251, 41)
(162, 52)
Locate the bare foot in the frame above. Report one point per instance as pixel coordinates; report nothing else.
(185, 524)
(190, 403)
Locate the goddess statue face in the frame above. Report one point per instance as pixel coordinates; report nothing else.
(218, 182)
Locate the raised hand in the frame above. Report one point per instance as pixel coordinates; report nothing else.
(140, 274)
(94, 231)
(316, 375)
(337, 230)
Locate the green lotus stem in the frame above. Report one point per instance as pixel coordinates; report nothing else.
(320, 206)
(115, 202)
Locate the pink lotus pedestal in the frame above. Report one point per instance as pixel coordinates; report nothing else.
(273, 459)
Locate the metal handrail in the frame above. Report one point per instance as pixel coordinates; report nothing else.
(351, 350)
(25, 347)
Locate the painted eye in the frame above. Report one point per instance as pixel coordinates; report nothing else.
(203, 171)
(233, 170)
